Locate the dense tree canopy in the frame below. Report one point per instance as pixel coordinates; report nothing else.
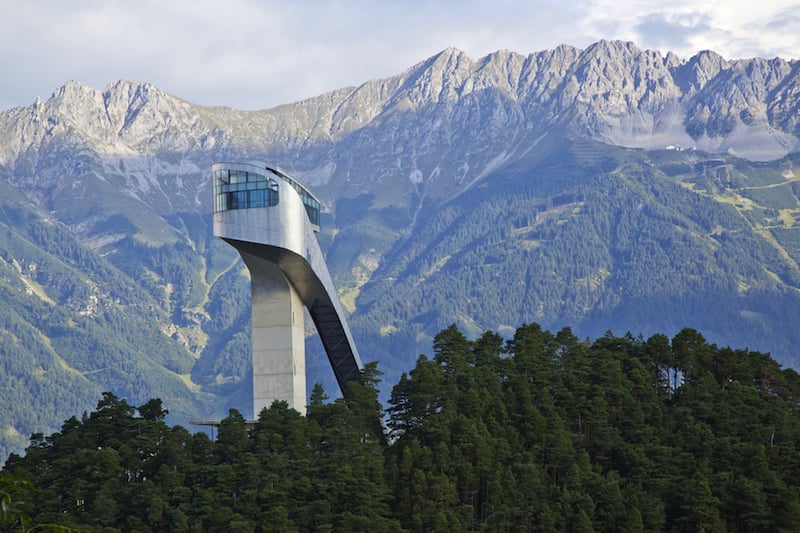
(540, 432)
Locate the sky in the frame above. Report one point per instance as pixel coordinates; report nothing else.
(256, 54)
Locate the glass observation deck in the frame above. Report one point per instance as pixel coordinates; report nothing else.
(239, 186)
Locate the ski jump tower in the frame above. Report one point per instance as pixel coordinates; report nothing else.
(271, 220)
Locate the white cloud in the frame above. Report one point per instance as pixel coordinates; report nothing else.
(259, 53)
(733, 28)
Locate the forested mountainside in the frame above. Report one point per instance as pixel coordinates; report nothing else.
(542, 432)
(610, 188)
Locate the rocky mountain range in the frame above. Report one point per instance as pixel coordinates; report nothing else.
(603, 188)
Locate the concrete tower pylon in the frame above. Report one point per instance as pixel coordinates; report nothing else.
(272, 221)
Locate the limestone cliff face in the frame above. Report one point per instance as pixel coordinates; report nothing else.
(431, 131)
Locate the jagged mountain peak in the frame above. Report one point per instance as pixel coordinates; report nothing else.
(72, 89)
(672, 60)
(693, 75)
(136, 109)
(612, 48)
(502, 69)
(436, 79)
(449, 55)
(75, 104)
(784, 107)
(123, 97)
(615, 91)
(126, 115)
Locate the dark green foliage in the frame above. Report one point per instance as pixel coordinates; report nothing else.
(600, 238)
(542, 432)
(551, 433)
(116, 470)
(134, 317)
(72, 325)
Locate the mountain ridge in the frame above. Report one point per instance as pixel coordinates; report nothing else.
(602, 81)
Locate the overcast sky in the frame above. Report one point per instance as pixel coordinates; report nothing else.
(255, 54)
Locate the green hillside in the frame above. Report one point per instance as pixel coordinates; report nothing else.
(74, 324)
(605, 239)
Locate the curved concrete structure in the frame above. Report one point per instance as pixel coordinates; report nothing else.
(272, 220)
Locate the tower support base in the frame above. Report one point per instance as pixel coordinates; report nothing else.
(279, 371)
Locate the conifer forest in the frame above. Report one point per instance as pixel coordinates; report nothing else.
(537, 432)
